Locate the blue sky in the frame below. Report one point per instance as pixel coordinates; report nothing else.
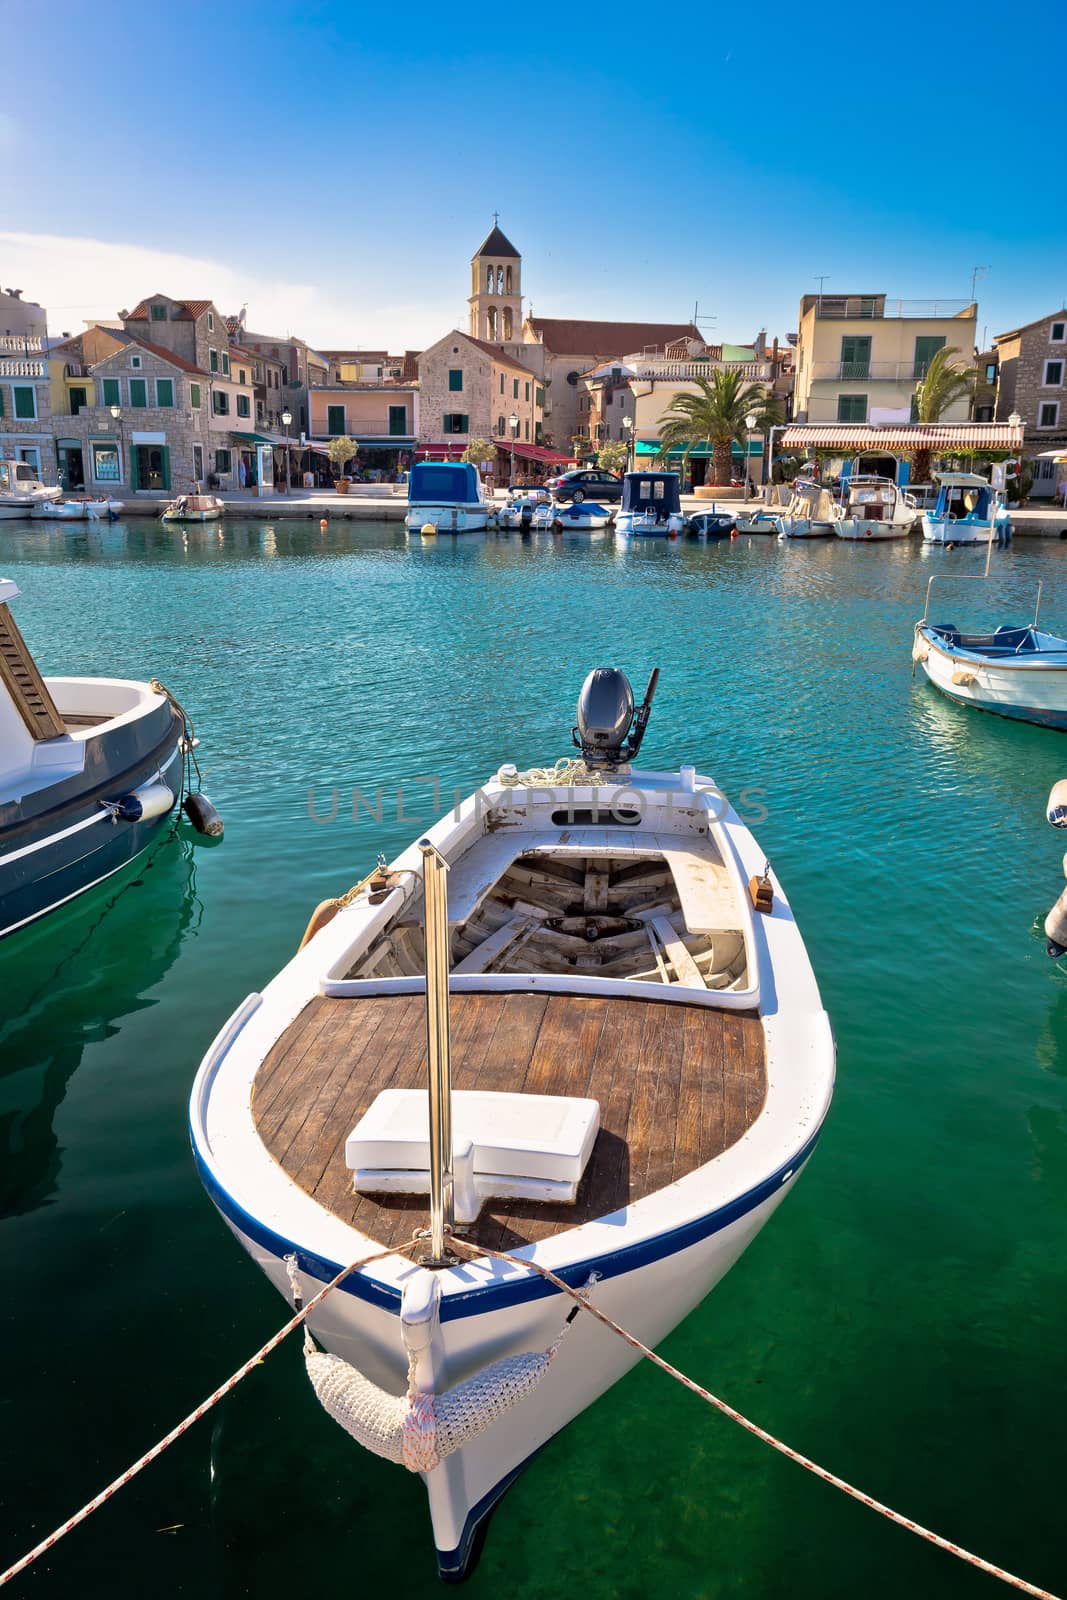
(336, 167)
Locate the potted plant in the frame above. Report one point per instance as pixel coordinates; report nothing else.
(341, 451)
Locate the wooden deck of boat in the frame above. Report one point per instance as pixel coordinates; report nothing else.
(677, 1085)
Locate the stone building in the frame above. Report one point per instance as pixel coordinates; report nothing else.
(26, 403)
(299, 368)
(1032, 381)
(470, 389)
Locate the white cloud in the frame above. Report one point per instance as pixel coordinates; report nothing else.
(79, 279)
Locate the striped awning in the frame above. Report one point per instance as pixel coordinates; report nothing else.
(943, 438)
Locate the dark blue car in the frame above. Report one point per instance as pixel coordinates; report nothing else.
(587, 483)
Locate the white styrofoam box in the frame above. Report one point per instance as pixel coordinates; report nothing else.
(514, 1135)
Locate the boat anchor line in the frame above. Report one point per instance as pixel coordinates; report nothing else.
(582, 1303)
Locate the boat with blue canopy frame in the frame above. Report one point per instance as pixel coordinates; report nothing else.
(448, 494)
(651, 506)
(968, 511)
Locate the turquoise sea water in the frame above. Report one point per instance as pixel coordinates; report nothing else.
(900, 1318)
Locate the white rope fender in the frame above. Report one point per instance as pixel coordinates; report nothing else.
(417, 1430)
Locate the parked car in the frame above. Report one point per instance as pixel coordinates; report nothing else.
(586, 483)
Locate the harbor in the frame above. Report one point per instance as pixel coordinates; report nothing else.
(897, 1318)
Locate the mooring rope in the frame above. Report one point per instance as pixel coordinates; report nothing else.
(475, 1251)
(582, 1299)
(194, 1416)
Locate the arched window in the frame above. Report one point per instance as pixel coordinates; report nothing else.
(507, 322)
(490, 322)
(500, 426)
(500, 280)
(488, 280)
(507, 278)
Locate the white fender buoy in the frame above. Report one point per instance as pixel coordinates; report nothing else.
(1056, 808)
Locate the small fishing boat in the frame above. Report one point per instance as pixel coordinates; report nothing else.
(651, 506)
(80, 509)
(764, 519)
(875, 509)
(90, 768)
(810, 514)
(1018, 672)
(22, 493)
(581, 516)
(448, 494)
(194, 508)
(968, 511)
(523, 501)
(610, 954)
(711, 524)
(104, 506)
(544, 515)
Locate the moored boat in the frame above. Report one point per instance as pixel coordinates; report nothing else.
(523, 501)
(1017, 672)
(810, 514)
(968, 511)
(609, 974)
(22, 494)
(194, 508)
(90, 768)
(711, 524)
(580, 516)
(447, 494)
(875, 509)
(79, 509)
(651, 506)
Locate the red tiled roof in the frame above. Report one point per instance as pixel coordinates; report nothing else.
(356, 355)
(499, 355)
(940, 437)
(189, 310)
(168, 355)
(565, 337)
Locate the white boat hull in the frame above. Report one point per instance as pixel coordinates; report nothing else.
(855, 528)
(1022, 692)
(942, 530)
(797, 528)
(448, 518)
(637, 525)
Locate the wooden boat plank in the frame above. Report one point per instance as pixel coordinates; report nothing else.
(676, 1085)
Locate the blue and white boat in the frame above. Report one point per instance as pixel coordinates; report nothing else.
(523, 500)
(713, 523)
(582, 516)
(651, 506)
(1017, 672)
(447, 494)
(90, 768)
(968, 511)
(609, 964)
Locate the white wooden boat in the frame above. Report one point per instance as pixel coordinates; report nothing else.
(762, 519)
(447, 494)
(79, 510)
(22, 493)
(194, 508)
(968, 511)
(1018, 672)
(875, 508)
(89, 770)
(608, 977)
(810, 514)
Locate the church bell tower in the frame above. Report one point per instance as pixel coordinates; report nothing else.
(496, 290)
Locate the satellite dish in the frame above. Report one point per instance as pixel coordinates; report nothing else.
(694, 346)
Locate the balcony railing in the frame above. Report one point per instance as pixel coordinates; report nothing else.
(23, 367)
(19, 344)
(690, 371)
(876, 306)
(868, 371)
(357, 427)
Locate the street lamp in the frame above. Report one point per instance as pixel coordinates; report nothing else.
(750, 423)
(287, 417)
(116, 412)
(628, 429)
(513, 424)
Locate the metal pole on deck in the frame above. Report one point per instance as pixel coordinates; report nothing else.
(438, 1050)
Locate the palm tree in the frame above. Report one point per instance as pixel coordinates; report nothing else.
(946, 380)
(716, 415)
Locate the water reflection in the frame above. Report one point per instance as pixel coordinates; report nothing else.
(79, 972)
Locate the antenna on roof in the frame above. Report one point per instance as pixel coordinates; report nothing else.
(820, 280)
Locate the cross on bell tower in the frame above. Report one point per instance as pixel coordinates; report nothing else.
(496, 290)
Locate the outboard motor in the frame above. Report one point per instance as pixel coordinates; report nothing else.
(606, 717)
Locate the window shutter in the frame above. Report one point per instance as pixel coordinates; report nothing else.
(194, 396)
(111, 392)
(164, 392)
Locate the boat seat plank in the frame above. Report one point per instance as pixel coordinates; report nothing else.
(676, 1086)
(686, 971)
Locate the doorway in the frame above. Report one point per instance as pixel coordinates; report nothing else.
(151, 470)
(71, 466)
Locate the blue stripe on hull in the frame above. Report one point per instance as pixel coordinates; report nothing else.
(493, 1297)
(1043, 719)
(67, 865)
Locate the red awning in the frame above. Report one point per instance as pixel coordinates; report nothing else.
(533, 452)
(943, 438)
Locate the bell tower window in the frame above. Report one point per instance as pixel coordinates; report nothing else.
(488, 280)
(507, 278)
(490, 321)
(507, 323)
